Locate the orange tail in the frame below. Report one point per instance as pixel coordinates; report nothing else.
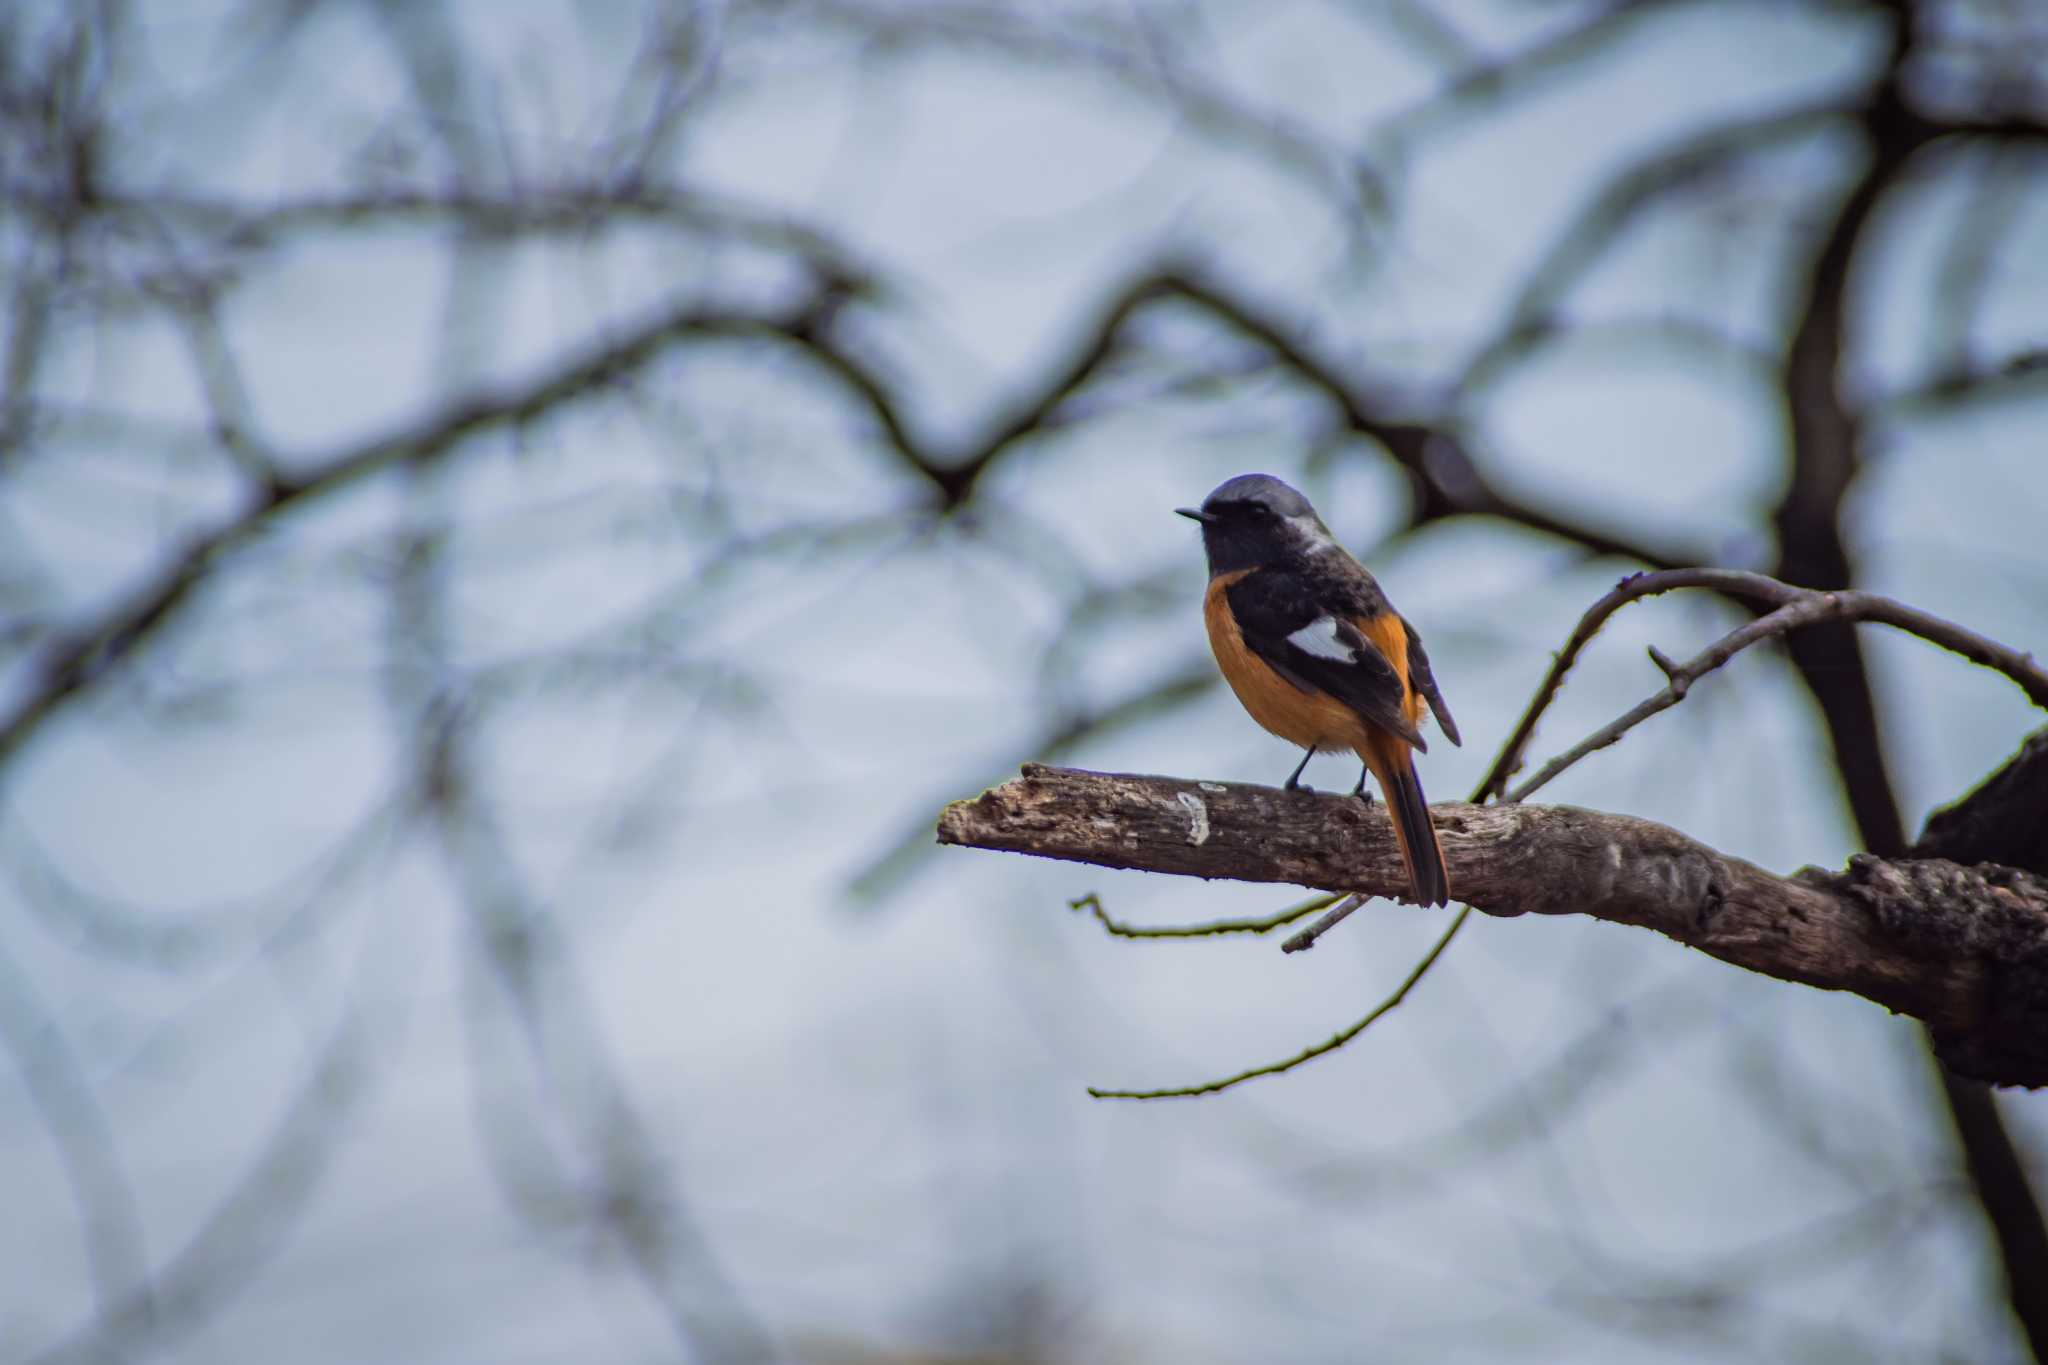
(1394, 766)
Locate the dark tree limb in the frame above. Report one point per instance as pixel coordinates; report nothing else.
(2004, 820)
(1964, 949)
(2010, 1204)
(1827, 454)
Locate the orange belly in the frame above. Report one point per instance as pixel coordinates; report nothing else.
(1309, 719)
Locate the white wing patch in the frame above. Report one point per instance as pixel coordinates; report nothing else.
(1319, 637)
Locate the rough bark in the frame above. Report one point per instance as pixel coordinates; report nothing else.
(2002, 824)
(1965, 949)
(2005, 820)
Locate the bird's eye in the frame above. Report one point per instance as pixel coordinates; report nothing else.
(1260, 511)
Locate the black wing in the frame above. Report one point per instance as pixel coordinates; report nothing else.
(1425, 683)
(1315, 646)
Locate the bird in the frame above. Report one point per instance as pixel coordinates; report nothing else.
(1318, 656)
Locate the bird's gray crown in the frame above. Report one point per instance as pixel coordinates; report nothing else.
(1264, 488)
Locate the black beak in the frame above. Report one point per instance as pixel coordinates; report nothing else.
(1196, 514)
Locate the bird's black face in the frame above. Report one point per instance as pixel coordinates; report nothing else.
(1255, 519)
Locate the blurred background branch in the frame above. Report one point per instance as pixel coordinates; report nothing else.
(503, 507)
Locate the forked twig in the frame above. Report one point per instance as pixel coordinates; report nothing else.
(1797, 608)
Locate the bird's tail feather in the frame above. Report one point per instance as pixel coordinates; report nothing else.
(1420, 851)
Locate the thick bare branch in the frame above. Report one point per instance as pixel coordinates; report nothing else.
(1964, 949)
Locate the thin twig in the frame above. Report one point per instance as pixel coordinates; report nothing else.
(1330, 1044)
(1093, 903)
(1819, 607)
(1307, 937)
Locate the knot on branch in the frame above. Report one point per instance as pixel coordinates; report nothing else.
(1989, 925)
(1617, 867)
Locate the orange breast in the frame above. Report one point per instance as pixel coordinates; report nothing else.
(1304, 718)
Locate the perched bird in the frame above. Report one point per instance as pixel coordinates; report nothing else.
(1317, 654)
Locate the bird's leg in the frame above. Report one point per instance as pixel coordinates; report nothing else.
(1294, 778)
(1359, 791)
